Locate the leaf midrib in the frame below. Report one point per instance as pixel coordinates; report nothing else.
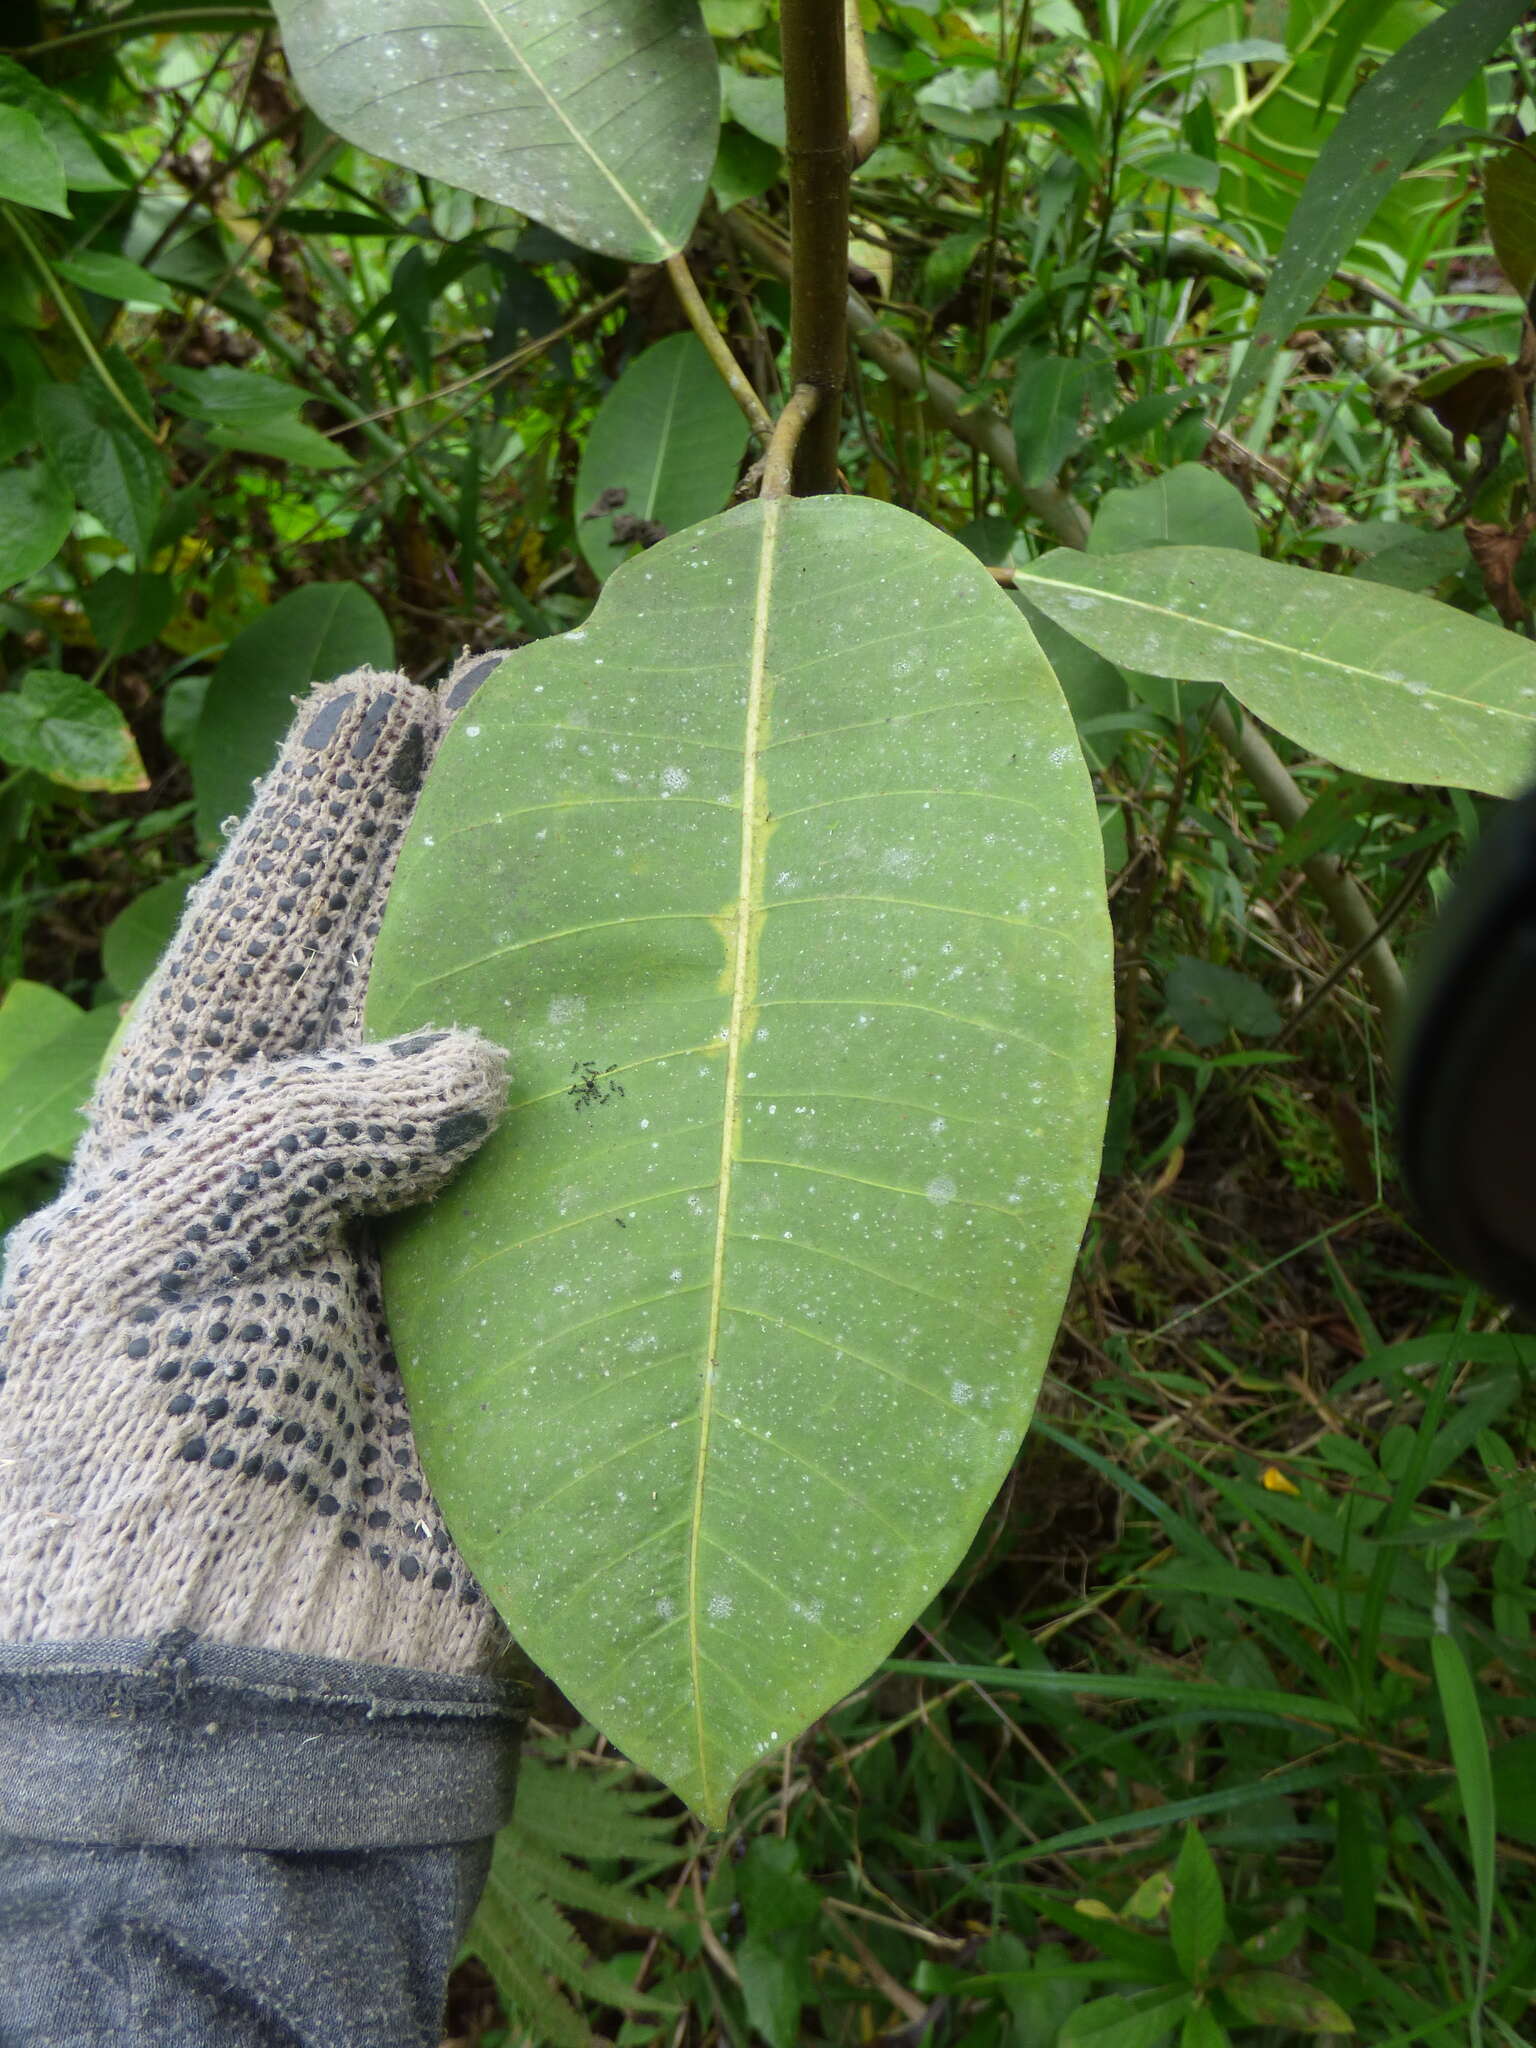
(743, 989)
(494, 23)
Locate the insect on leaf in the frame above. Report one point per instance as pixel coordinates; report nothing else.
(782, 881)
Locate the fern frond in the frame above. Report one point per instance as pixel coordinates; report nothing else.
(542, 1967)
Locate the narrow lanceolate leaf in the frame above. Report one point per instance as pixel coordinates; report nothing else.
(1364, 157)
(1379, 680)
(663, 452)
(782, 881)
(598, 117)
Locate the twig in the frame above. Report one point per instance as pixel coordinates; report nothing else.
(1352, 913)
(130, 24)
(863, 99)
(816, 117)
(983, 429)
(732, 374)
(779, 462)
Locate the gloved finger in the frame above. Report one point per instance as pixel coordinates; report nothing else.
(268, 1172)
(448, 700)
(259, 964)
(463, 680)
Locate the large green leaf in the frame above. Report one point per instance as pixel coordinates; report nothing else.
(669, 436)
(1378, 680)
(307, 637)
(1364, 157)
(782, 880)
(600, 122)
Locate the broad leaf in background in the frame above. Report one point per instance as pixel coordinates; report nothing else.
(1207, 1001)
(1375, 140)
(1509, 207)
(1187, 506)
(116, 472)
(64, 727)
(307, 637)
(600, 123)
(1049, 393)
(242, 409)
(30, 171)
(35, 512)
(1378, 680)
(137, 936)
(49, 1055)
(669, 437)
(783, 879)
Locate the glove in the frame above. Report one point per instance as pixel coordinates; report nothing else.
(202, 1424)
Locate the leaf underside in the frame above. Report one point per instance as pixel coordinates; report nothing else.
(597, 117)
(1378, 680)
(782, 881)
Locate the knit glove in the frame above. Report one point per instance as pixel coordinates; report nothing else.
(202, 1424)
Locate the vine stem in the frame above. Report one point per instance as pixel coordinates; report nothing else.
(863, 99)
(789, 429)
(812, 35)
(72, 320)
(702, 322)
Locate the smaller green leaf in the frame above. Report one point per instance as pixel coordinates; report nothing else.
(1468, 1739)
(180, 709)
(1187, 506)
(756, 104)
(1142, 2021)
(286, 440)
(137, 936)
(729, 19)
(41, 1096)
(745, 167)
(1202, 2029)
(129, 609)
(30, 171)
(1183, 168)
(1509, 207)
(1513, 1767)
(776, 1895)
(257, 415)
(1268, 1998)
(116, 474)
(1207, 1001)
(32, 1014)
(1048, 397)
(222, 395)
(68, 731)
(35, 511)
(1197, 1918)
(775, 1984)
(89, 163)
(114, 277)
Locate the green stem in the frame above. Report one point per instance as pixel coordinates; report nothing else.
(72, 320)
(789, 431)
(716, 347)
(816, 111)
(183, 21)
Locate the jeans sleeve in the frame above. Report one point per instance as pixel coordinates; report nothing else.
(204, 1846)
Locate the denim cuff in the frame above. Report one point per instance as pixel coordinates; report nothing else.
(180, 1742)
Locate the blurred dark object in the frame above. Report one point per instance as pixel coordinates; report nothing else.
(1467, 1116)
